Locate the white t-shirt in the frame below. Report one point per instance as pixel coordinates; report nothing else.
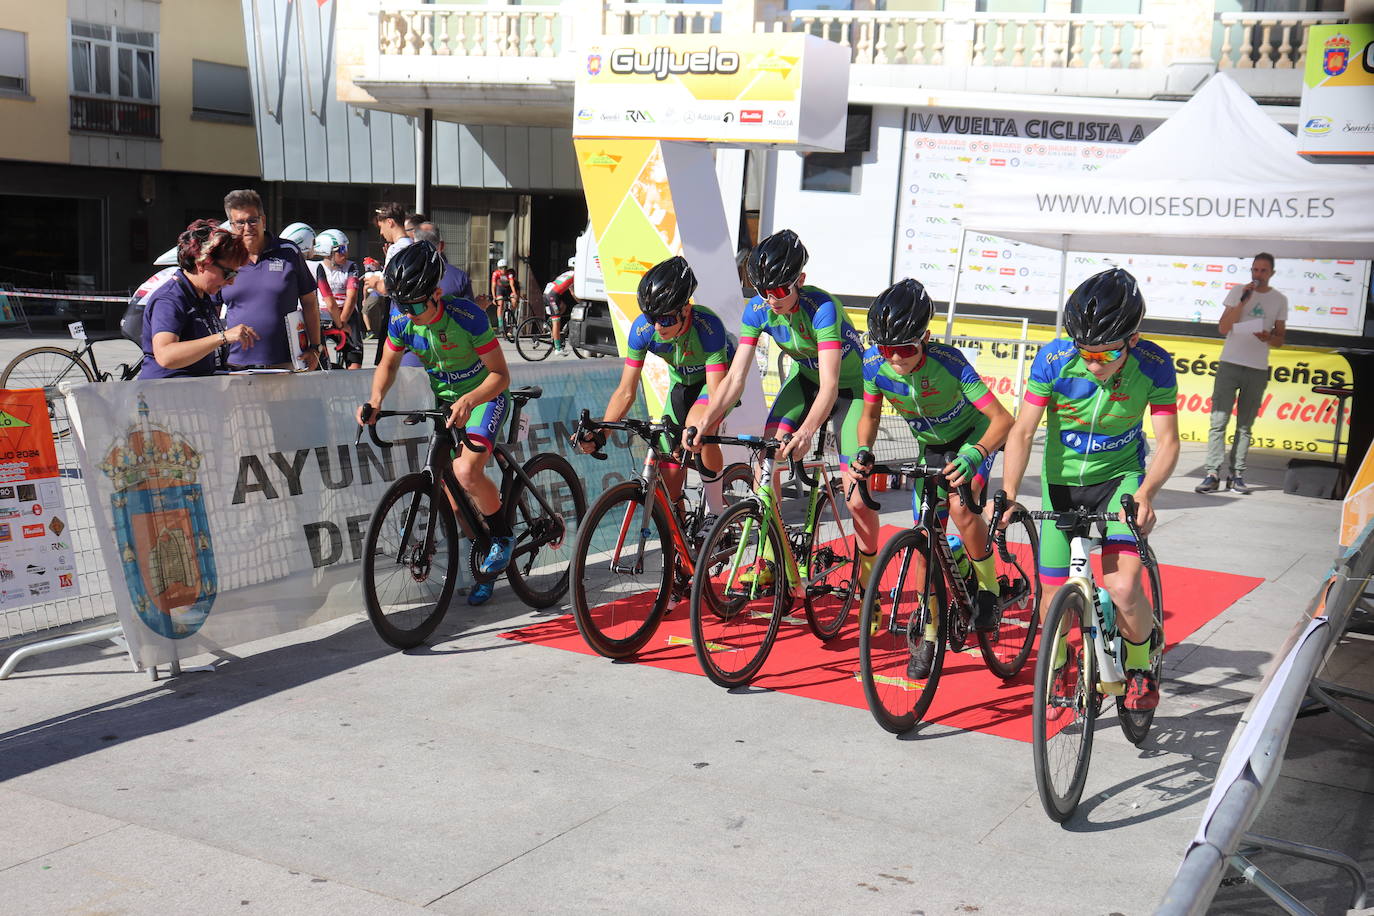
(404, 241)
(1242, 347)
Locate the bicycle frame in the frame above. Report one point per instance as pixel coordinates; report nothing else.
(652, 481)
(1111, 674)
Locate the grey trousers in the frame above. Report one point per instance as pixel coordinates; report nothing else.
(1234, 382)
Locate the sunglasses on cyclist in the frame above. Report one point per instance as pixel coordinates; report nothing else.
(1100, 356)
(777, 292)
(667, 321)
(229, 272)
(898, 351)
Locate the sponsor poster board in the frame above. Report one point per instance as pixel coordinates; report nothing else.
(37, 563)
(942, 150)
(1291, 417)
(1336, 120)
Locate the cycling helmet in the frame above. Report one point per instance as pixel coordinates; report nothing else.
(900, 314)
(665, 288)
(167, 259)
(572, 262)
(300, 235)
(776, 261)
(413, 275)
(1105, 308)
(501, 263)
(330, 241)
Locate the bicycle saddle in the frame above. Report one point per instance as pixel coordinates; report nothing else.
(529, 392)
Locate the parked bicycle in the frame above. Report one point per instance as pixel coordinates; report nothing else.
(1081, 662)
(753, 567)
(47, 366)
(411, 555)
(917, 592)
(636, 550)
(534, 342)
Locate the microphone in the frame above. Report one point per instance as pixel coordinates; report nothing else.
(1245, 295)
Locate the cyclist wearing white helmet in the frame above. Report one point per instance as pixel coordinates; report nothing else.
(505, 291)
(559, 300)
(339, 280)
(300, 235)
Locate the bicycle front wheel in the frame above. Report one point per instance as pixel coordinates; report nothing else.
(510, 323)
(407, 587)
(45, 367)
(901, 612)
(533, 341)
(619, 593)
(739, 595)
(832, 570)
(544, 538)
(1064, 706)
(1016, 558)
(1135, 723)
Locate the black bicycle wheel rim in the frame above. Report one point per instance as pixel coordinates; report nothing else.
(45, 367)
(733, 623)
(1006, 648)
(617, 612)
(1062, 731)
(403, 607)
(1135, 723)
(538, 571)
(898, 701)
(532, 341)
(832, 569)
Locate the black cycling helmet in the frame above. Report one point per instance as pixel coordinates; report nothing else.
(776, 261)
(900, 314)
(665, 288)
(1106, 308)
(413, 275)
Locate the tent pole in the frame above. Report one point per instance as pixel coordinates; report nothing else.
(1063, 280)
(954, 290)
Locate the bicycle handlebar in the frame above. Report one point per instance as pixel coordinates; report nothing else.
(916, 469)
(412, 417)
(760, 444)
(1081, 518)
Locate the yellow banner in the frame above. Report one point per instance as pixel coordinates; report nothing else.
(1358, 510)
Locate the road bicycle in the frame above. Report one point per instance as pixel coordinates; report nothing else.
(411, 553)
(534, 342)
(1068, 696)
(916, 587)
(753, 567)
(508, 316)
(48, 366)
(637, 547)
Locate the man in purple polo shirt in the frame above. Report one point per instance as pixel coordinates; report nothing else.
(274, 283)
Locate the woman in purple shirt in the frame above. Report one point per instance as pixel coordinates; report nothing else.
(182, 333)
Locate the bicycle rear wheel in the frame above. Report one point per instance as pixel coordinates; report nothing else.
(632, 591)
(533, 341)
(406, 591)
(45, 367)
(739, 595)
(538, 571)
(1016, 557)
(1064, 706)
(1136, 723)
(911, 591)
(508, 319)
(833, 572)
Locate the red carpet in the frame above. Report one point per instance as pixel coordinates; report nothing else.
(969, 696)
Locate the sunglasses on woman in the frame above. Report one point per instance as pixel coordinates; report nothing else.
(1100, 356)
(777, 292)
(667, 321)
(898, 351)
(229, 272)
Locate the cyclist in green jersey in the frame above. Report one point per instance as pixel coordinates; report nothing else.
(467, 373)
(949, 409)
(1097, 386)
(691, 339)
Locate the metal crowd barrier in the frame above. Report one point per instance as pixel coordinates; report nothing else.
(1255, 759)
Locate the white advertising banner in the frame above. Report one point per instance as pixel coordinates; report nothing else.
(233, 508)
(1337, 114)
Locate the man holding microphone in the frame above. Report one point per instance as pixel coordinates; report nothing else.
(1252, 322)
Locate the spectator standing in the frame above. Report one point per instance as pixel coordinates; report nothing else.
(1253, 322)
(274, 283)
(391, 226)
(455, 281)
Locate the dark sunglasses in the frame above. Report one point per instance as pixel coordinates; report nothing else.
(667, 321)
(898, 351)
(229, 272)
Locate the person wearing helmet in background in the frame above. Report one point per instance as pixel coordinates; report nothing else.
(505, 291)
(827, 377)
(274, 283)
(131, 324)
(339, 281)
(692, 340)
(467, 373)
(559, 300)
(1097, 383)
(949, 409)
(300, 235)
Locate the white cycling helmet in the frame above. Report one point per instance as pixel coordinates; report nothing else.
(300, 235)
(330, 241)
(501, 263)
(168, 258)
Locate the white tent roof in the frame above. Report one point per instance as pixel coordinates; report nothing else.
(1218, 178)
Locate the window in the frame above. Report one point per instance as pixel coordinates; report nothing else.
(114, 62)
(835, 171)
(220, 92)
(14, 62)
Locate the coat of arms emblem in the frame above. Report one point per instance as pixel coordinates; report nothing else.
(1336, 55)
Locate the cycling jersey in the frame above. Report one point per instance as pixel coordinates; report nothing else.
(503, 282)
(563, 282)
(941, 400)
(702, 348)
(1095, 431)
(818, 323)
(450, 348)
(335, 282)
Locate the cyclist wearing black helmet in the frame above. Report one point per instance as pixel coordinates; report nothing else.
(467, 372)
(1097, 384)
(691, 339)
(949, 409)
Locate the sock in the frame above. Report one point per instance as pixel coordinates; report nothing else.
(1137, 655)
(496, 524)
(1061, 651)
(715, 495)
(987, 572)
(866, 567)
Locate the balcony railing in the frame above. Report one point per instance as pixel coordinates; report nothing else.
(471, 31)
(110, 116)
(1268, 41)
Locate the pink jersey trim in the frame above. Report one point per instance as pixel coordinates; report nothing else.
(870, 398)
(634, 363)
(829, 345)
(1163, 409)
(716, 367)
(1112, 548)
(984, 401)
(748, 341)
(1039, 400)
(392, 346)
(487, 347)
